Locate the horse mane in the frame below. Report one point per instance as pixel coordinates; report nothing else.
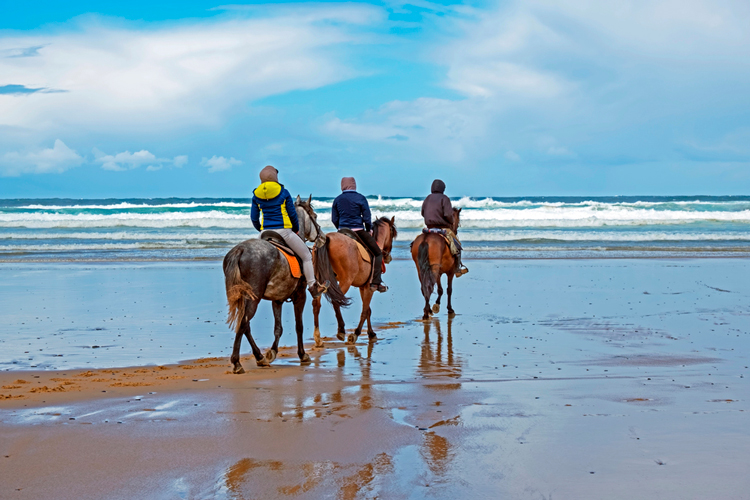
(379, 223)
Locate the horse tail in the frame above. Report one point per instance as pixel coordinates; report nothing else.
(426, 276)
(324, 272)
(238, 290)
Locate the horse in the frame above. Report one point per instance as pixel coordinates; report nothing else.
(341, 258)
(254, 270)
(432, 256)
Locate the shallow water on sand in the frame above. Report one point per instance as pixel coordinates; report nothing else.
(557, 379)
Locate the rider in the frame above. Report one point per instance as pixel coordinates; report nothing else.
(438, 214)
(273, 208)
(350, 210)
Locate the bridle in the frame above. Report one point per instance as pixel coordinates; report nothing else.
(386, 255)
(307, 207)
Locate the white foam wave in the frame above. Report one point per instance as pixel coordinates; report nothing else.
(126, 206)
(407, 204)
(594, 215)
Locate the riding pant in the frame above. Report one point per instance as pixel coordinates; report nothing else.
(298, 246)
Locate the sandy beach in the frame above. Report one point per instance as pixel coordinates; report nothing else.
(557, 379)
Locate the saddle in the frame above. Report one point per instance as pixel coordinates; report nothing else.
(275, 239)
(363, 250)
(437, 230)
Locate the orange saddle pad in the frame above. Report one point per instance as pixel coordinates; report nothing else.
(294, 266)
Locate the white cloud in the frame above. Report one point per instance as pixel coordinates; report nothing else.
(56, 159)
(180, 161)
(124, 161)
(219, 163)
(128, 161)
(534, 74)
(163, 77)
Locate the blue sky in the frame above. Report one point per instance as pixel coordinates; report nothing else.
(510, 98)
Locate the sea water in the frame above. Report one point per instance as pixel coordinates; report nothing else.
(529, 227)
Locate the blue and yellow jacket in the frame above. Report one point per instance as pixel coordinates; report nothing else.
(273, 208)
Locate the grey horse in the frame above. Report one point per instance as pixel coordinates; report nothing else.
(255, 270)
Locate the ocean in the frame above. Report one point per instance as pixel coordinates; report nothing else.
(60, 230)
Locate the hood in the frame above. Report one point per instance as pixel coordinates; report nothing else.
(438, 186)
(348, 184)
(268, 190)
(269, 174)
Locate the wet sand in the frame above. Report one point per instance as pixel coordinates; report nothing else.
(557, 379)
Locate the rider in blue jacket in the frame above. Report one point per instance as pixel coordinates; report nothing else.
(350, 210)
(273, 208)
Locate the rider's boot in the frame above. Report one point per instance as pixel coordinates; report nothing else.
(316, 289)
(377, 282)
(460, 269)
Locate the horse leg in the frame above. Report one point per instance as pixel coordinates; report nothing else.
(436, 307)
(299, 307)
(316, 319)
(277, 331)
(235, 359)
(341, 333)
(366, 294)
(427, 310)
(250, 307)
(370, 332)
(451, 312)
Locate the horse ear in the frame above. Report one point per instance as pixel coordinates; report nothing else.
(309, 200)
(298, 200)
(393, 220)
(459, 210)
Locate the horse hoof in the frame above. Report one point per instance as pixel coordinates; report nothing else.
(451, 314)
(270, 355)
(305, 360)
(352, 339)
(341, 336)
(319, 344)
(238, 370)
(372, 336)
(262, 362)
(435, 308)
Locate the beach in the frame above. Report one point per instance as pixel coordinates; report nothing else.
(558, 378)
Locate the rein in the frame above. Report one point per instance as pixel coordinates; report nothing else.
(320, 239)
(386, 255)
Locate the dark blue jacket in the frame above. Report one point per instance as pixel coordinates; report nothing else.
(273, 204)
(351, 210)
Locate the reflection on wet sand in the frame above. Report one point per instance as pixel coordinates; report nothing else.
(249, 478)
(433, 362)
(437, 453)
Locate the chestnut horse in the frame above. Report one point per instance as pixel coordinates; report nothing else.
(433, 258)
(351, 270)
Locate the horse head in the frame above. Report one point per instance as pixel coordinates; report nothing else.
(456, 220)
(309, 229)
(385, 238)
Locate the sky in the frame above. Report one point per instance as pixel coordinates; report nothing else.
(510, 98)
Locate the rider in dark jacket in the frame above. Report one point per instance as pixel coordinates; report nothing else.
(438, 214)
(350, 210)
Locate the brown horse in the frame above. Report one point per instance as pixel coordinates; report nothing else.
(433, 258)
(352, 270)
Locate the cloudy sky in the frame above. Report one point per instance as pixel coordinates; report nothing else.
(509, 98)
